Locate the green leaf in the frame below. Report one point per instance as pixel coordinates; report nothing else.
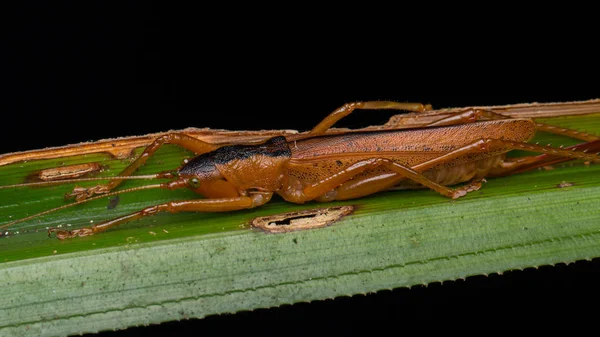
(169, 267)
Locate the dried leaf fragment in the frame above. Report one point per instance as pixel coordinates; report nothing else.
(66, 172)
(301, 220)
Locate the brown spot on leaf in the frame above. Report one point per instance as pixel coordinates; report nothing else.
(565, 184)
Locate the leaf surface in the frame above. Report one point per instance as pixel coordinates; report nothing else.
(170, 267)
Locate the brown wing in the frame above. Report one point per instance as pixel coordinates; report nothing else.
(319, 157)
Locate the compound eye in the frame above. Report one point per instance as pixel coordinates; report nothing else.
(194, 182)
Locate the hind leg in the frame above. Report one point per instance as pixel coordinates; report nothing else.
(347, 109)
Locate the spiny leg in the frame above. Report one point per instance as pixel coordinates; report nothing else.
(484, 145)
(190, 143)
(470, 115)
(389, 180)
(322, 187)
(348, 108)
(466, 116)
(199, 205)
(452, 118)
(583, 151)
(362, 186)
(557, 130)
(474, 115)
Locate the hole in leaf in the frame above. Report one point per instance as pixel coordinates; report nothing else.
(301, 220)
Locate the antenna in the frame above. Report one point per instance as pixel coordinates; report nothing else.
(66, 181)
(133, 189)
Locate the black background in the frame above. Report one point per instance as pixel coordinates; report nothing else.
(79, 72)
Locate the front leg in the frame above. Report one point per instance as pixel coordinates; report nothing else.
(200, 205)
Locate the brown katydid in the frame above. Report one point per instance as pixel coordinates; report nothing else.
(463, 146)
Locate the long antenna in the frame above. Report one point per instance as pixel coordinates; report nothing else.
(66, 181)
(133, 189)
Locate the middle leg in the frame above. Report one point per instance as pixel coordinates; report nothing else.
(378, 182)
(322, 187)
